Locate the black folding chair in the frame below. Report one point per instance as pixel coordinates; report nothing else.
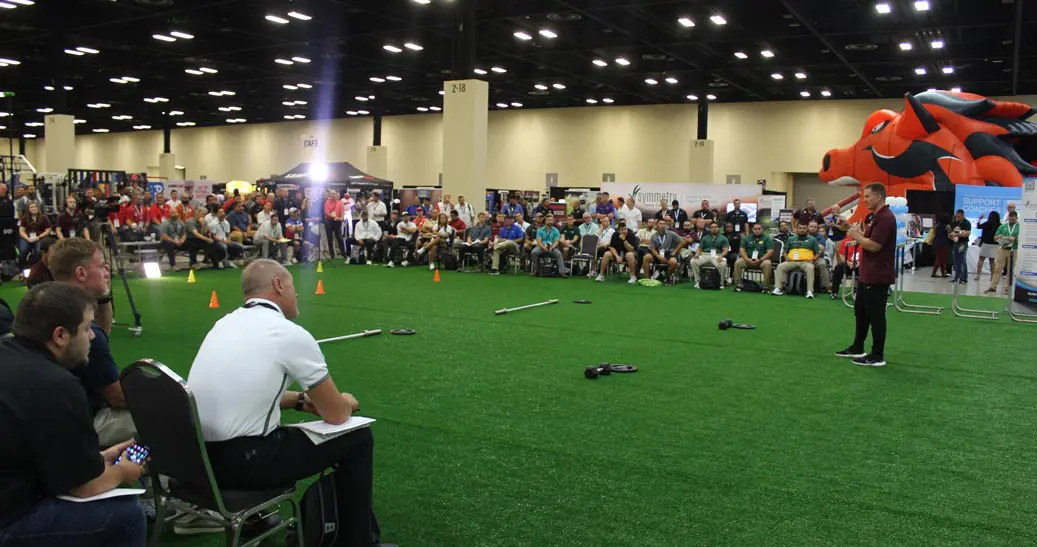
(166, 417)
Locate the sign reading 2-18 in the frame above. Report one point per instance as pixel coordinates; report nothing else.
(457, 88)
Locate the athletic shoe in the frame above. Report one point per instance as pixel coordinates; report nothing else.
(633, 281)
(391, 265)
(810, 294)
(777, 292)
(600, 278)
(421, 251)
(370, 263)
(832, 296)
(851, 352)
(870, 361)
(431, 266)
(697, 285)
(405, 264)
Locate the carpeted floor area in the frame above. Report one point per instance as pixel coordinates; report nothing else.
(489, 435)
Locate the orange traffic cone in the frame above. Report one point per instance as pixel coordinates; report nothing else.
(213, 301)
(320, 286)
(435, 279)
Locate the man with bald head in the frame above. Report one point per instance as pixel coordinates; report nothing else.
(240, 392)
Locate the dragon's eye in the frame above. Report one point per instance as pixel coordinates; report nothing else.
(879, 127)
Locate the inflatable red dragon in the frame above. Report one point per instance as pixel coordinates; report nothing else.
(940, 139)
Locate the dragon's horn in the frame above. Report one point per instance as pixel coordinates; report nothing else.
(916, 122)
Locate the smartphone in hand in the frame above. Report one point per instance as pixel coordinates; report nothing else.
(136, 452)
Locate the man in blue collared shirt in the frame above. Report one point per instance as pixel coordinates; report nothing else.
(507, 242)
(513, 207)
(548, 240)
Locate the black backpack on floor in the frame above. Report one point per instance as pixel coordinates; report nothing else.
(710, 278)
(797, 283)
(546, 266)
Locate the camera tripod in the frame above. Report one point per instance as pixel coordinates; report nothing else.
(113, 255)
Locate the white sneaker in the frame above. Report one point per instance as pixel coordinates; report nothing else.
(633, 281)
(697, 285)
(777, 292)
(370, 263)
(810, 294)
(405, 264)
(600, 278)
(421, 251)
(391, 265)
(432, 266)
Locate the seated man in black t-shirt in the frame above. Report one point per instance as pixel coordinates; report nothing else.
(47, 445)
(622, 248)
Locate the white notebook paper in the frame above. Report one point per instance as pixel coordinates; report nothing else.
(113, 493)
(319, 431)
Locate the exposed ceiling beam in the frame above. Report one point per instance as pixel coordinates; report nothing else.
(831, 47)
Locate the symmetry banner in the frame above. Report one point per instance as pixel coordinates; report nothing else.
(690, 195)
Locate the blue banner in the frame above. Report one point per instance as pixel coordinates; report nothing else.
(980, 200)
(156, 188)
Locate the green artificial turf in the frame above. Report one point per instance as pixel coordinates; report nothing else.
(489, 435)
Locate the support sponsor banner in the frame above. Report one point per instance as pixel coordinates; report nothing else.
(690, 195)
(1026, 256)
(979, 201)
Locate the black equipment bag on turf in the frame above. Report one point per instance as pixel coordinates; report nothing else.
(748, 285)
(546, 266)
(710, 278)
(797, 283)
(448, 261)
(319, 507)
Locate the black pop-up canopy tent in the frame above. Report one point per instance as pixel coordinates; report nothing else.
(341, 176)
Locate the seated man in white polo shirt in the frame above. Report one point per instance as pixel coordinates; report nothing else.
(241, 389)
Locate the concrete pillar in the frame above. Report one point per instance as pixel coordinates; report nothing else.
(378, 161)
(465, 110)
(700, 165)
(59, 145)
(167, 166)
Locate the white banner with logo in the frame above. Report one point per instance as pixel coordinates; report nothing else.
(690, 195)
(1026, 256)
(197, 189)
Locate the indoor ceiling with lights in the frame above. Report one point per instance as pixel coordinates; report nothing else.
(125, 65)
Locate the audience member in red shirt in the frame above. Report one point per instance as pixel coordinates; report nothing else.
(157, 214)
(131, 219)
(456, 223)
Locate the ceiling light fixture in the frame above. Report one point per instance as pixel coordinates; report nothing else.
(718, 19)
(118, 81)
(711, 97)
(558, 86)
(412, 46)
(438, 109)
(362, 112)
(541, 87)
(34, 124)
(193, 71)
(142, 127)
(422, 2)
(956, 89)
(302, 60)
(184, 124)
(523, 36)
(77, 53)
(391, 48)
(68, 88)
(548, 33)
(441, 92)
(479, 71)
(99, 130)
(922, 5)
(948, 70)
(422, 109)
(502, 105)
(592, 101)
(48, 87)
(22, 2)
(392, 78)
(374, 79)
(804, 93)
(906, 46)
(777, 76)
(883, 8)
(29, 135)
(299, 16)
(921, 71)
(766, 53)
(304, 86)
(183, 35)
(671, 80)
(498, 70)
(98, 105)
(289, 87)
(651, 81)
(163, 37)
(176, 113)
(826, 93)
(600, 62)
(516, 105)
(44, 110)
(741, 55)
(607, 101)
(801, 75)
(686, 22)
(277, 19)
(361, 98)
(936, 44)
(89, 50)
(622, 61)
(121, 117)
(348, 113)
(208, 70)
(283, 61)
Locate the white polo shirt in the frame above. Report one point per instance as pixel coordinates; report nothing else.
(238, 386)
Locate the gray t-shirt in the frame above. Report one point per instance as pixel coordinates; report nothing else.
(174, 229)
(192, 226)
(666, 242)
(478, 233)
